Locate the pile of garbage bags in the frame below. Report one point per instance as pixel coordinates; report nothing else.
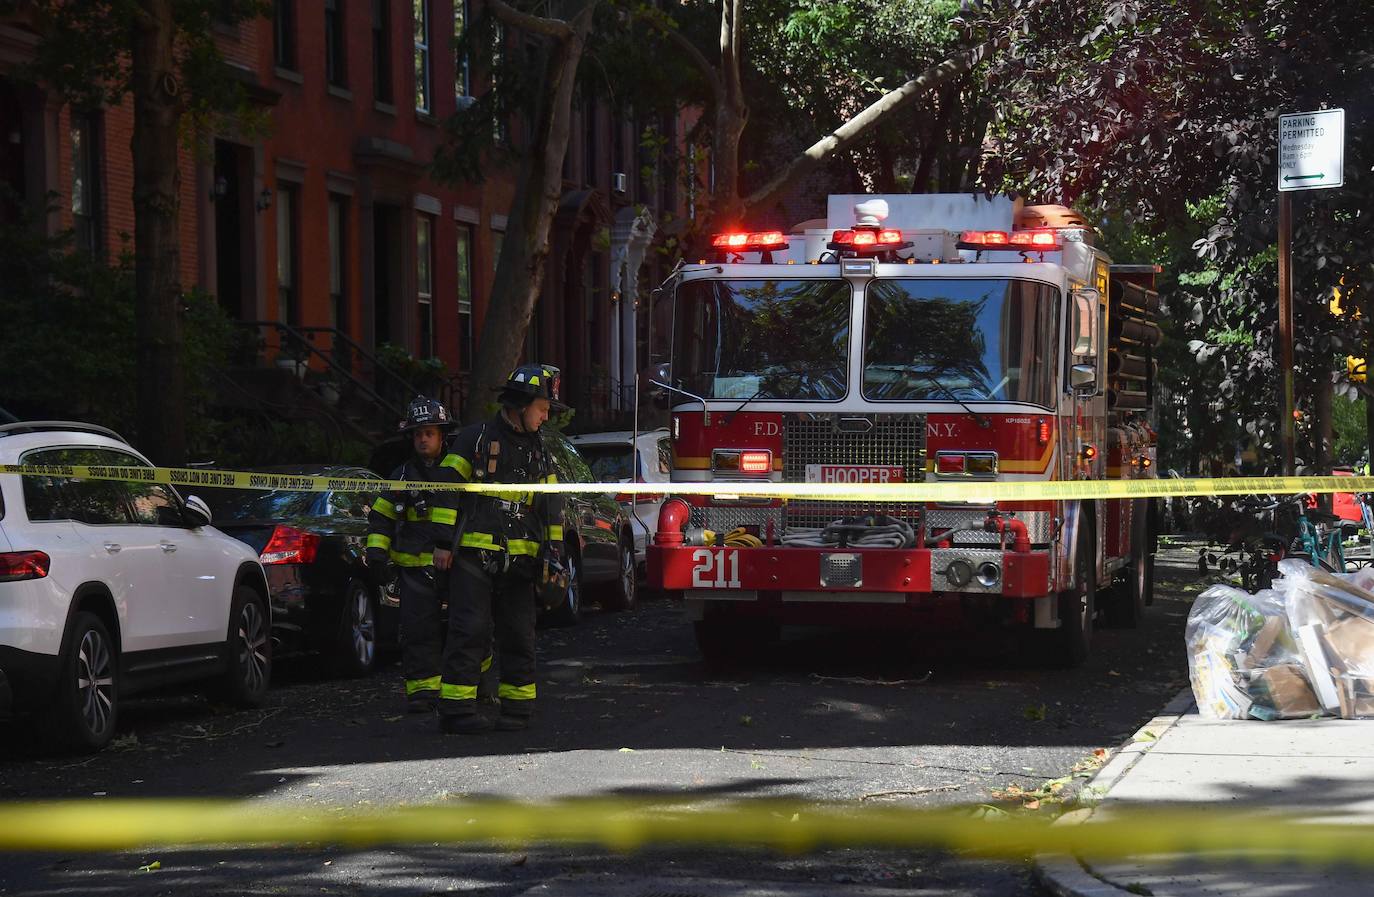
(1304, 648)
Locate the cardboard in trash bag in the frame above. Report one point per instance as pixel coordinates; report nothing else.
(1285, 689)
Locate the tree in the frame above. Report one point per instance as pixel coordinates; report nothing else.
(1164, 111)
(539, 187)
(723, 72)
(161, 54)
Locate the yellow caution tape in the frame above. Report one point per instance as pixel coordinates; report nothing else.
(974, 492)
(87, 825)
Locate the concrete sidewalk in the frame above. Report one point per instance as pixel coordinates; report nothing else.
(1317, 767)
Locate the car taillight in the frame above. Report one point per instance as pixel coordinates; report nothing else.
(20, 565)
(289, 545)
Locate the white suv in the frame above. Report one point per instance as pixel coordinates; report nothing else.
(108, 588)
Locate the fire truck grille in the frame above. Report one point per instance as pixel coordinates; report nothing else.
(878, 440)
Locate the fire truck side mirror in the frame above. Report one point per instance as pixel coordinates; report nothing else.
(652, 377)
(1085, 321)
(1083, 377)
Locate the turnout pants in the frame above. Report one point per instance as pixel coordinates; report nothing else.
(478, 601)
(422, 635)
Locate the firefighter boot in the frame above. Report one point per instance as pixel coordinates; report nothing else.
(512, 719)
(470, 723)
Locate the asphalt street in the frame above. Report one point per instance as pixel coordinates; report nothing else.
(627, 708)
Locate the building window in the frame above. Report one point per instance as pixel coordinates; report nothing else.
(463, 256)
(462, 73)
(335, 71)
(422, 80)
(381, 51)
(424, 283)
(338, 232)
(284, 33)
(85, 183)
(288, 243)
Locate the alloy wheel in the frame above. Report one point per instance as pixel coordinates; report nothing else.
(627, 574)
(252, 648)
(364, 628)
(95, 681)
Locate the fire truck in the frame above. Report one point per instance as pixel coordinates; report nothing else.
(904, 339)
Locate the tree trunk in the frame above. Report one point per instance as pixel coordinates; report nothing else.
(520, 269)
(161, 390)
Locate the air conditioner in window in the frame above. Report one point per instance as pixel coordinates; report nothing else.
(618, 181)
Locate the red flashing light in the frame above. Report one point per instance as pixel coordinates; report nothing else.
(1042, 435)
(755, 462)
(1089, 452)
(20, 565)
(289, 545)
(863, 239)
(949, 463)
(750, 242)
(1040, 240)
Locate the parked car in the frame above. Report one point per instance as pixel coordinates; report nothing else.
(108, 588)
(311, 544)
(623, 457)
(598, 538)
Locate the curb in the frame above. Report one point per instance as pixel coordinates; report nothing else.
(1066, 876)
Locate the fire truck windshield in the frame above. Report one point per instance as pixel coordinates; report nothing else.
(768, 339)
(964, 339)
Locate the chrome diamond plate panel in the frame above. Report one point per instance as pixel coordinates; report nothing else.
(724, 519)
(1039, 525)
(941, 558)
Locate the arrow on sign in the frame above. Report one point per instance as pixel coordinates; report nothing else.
(1303, 177)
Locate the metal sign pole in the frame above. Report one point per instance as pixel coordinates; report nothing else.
(1286, 422)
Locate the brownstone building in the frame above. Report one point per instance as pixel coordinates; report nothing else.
(328, 228)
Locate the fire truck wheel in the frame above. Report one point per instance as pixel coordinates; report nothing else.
(1126, 606)
(1068, 645)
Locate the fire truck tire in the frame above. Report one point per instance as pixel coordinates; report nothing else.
(1068, 645)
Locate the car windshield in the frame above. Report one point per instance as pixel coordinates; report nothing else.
(609, 463)
(256, 504)
(769, 339)
(966, 339)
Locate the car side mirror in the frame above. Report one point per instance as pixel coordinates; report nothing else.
(197, 512)
(652, 377)
(1083, 377)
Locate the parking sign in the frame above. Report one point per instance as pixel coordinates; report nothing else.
(1312, 150)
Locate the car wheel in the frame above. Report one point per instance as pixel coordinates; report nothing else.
(356, 640)
(249, 673)
(624, 591)
(569, 613)
(86, 708)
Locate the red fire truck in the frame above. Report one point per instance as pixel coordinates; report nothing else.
(936, 338)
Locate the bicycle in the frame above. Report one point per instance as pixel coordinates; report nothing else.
(1310, 534)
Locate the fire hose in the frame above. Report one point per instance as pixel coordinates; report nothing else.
(856, 532)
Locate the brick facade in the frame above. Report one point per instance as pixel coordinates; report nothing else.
(369, 155)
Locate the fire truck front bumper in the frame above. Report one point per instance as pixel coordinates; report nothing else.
(878, 575)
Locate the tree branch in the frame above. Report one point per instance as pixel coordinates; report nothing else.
(528, 22)
(697, 58)
(860, 125)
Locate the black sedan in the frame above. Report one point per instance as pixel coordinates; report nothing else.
(602, 552)
(311, 546)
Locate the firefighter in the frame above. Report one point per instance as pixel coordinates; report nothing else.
(506, 542)
(413, 530)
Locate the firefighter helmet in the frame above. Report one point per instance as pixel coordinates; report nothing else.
(533, 381)
(553, 585)
(425, 412)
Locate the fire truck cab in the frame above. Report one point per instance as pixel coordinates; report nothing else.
(909, 338)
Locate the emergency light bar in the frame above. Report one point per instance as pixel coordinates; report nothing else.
(750, 242)
(1037, 240)
(862, 241)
